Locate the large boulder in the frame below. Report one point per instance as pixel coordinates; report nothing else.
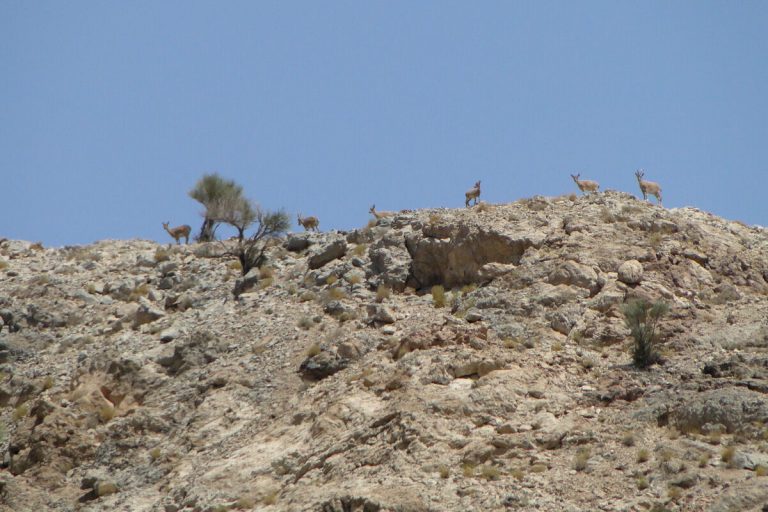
(458, 257)
(630, 272)
(575, 274)
(734, 408)
(326, 253)
(391, 262)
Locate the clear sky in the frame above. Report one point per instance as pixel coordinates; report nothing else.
(111, 110)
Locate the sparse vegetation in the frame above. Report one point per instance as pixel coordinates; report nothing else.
(216, 194)
(655, 240)
(245, 502)
(337, 293)
(270, 498)
(162, 254)
(665, 455)
(490, 472)
(106, 413)
(606, 216)
(581, 460)
(444, 471)
(359, 250)
(20, 412)
(587, 362)
(727, 454)
(383, 292)
(643, 455)
(307, 296)
(628, 439)
(141, 290)
(468, 469)
(642, 318)
(438, 296)
(642, 483)
(313, 350)
(106, 488)
(305, 323)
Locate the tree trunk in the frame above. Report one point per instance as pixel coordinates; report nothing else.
(207, 231)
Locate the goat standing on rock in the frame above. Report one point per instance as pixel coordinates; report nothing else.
(585, 185)
(473, 193)
(310, 223)
(380, 215)
(648, 187)
(178, 232)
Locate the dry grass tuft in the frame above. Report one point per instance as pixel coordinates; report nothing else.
(438, 296)
(106, 413)
(383, 292)
(581, 460)
(360, 249)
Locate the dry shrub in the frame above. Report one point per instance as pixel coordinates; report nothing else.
(162, 254)
(337, 293)
(438, 296)
(383, 292)
(106, 413)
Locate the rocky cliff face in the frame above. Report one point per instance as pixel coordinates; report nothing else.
(134, 379)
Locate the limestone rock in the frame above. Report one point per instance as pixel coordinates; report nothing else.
(297, 242)
(575, 274)
(321, 366)
(735, 408)
(630, 272)
(326, 253)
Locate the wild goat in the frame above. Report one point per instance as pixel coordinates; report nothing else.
(380, 215)
(585, 185)
(648, 187)
(178, 232)
(309, 223)
(473, 193)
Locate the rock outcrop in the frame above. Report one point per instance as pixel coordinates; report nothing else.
(337, 378)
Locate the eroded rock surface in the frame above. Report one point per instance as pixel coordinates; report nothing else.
(131, 377)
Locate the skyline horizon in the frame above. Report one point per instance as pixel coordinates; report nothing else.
(110, 112)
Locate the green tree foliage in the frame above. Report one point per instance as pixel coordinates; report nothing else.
(642, 318)
(214, 192)
(235, 210)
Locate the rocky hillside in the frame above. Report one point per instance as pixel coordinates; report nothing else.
(133, 379)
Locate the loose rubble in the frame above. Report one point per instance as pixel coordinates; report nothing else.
(138, 376)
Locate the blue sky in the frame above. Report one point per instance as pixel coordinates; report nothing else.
(110, 111)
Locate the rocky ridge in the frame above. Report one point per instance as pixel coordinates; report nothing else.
(133, 378)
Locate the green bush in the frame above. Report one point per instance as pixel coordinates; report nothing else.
(642, 318)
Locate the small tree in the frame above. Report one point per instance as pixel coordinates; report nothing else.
(642, 318)
(235, 210)
(212, 191)
(242, 214)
